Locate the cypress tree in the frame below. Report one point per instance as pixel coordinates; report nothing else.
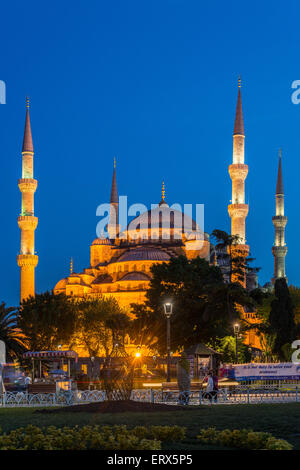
(282, 319)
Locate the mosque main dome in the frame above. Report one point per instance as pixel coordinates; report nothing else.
(164, 216)
(120, 264)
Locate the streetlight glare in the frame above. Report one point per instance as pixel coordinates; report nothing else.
(168, 307)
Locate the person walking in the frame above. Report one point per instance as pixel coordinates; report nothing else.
(215, 387)
(209, 386)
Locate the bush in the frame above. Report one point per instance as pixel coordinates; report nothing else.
(160, 433)
(243, 439)
(90, 437)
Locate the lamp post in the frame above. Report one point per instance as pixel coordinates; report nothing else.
(168, 308)
(138, 352)
(236, 329)
(92, 368)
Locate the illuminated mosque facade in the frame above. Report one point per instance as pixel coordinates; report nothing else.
(120, 264)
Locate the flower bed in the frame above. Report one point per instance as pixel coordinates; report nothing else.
(243, 439)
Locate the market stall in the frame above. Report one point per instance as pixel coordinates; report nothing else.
(58, 377)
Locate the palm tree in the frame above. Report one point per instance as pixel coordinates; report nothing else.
(9, 333)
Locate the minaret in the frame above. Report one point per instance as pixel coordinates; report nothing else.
(113, 226)
(279, 249)
(27, 259)
(238, 171)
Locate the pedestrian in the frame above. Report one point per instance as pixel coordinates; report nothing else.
(27, 381)
(215, 386)
(209, 387)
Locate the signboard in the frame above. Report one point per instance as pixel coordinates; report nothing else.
(278, 371)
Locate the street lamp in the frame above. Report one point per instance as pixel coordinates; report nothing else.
(236, 329)
(138, 352)
(168, 308)
(92, 368)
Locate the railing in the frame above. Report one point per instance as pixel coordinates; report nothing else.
(239, 395)
(51, 399)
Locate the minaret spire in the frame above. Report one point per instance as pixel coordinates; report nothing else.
(27, 140)
(114, 191)
(27, 259)
(239, 121)
(279, 248)
(279, 186)
(113, 226)
(238, 171)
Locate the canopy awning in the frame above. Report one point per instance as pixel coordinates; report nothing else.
(200, 350)
(51, 355)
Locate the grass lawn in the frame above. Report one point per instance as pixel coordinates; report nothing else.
(282, 420)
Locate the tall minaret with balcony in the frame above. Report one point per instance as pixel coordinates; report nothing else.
(27, 259)
(279, 249)
(238, 171)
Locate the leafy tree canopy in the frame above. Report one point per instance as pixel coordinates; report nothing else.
(100, 323)
(204, 306)
(46, 320)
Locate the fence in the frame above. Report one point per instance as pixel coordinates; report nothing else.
(239, 395)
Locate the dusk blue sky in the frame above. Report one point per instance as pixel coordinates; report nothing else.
(154, 83)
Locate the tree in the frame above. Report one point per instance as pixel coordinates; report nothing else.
(238, 265)
(100, 323)
(282, 319)
(47, 320)
(204, 306)
(295, 296)
(9, 332)
(227, 347)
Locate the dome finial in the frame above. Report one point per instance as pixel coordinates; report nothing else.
(240, 81)
(280, 152)
(71, 266)
(27, 102)
(114, 162)
(163, 192)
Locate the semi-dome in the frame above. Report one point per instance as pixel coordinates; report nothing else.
(101, 241)
(163, 216)
(144, 254)
(61, 284)
(103, 279)
(135, 276)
